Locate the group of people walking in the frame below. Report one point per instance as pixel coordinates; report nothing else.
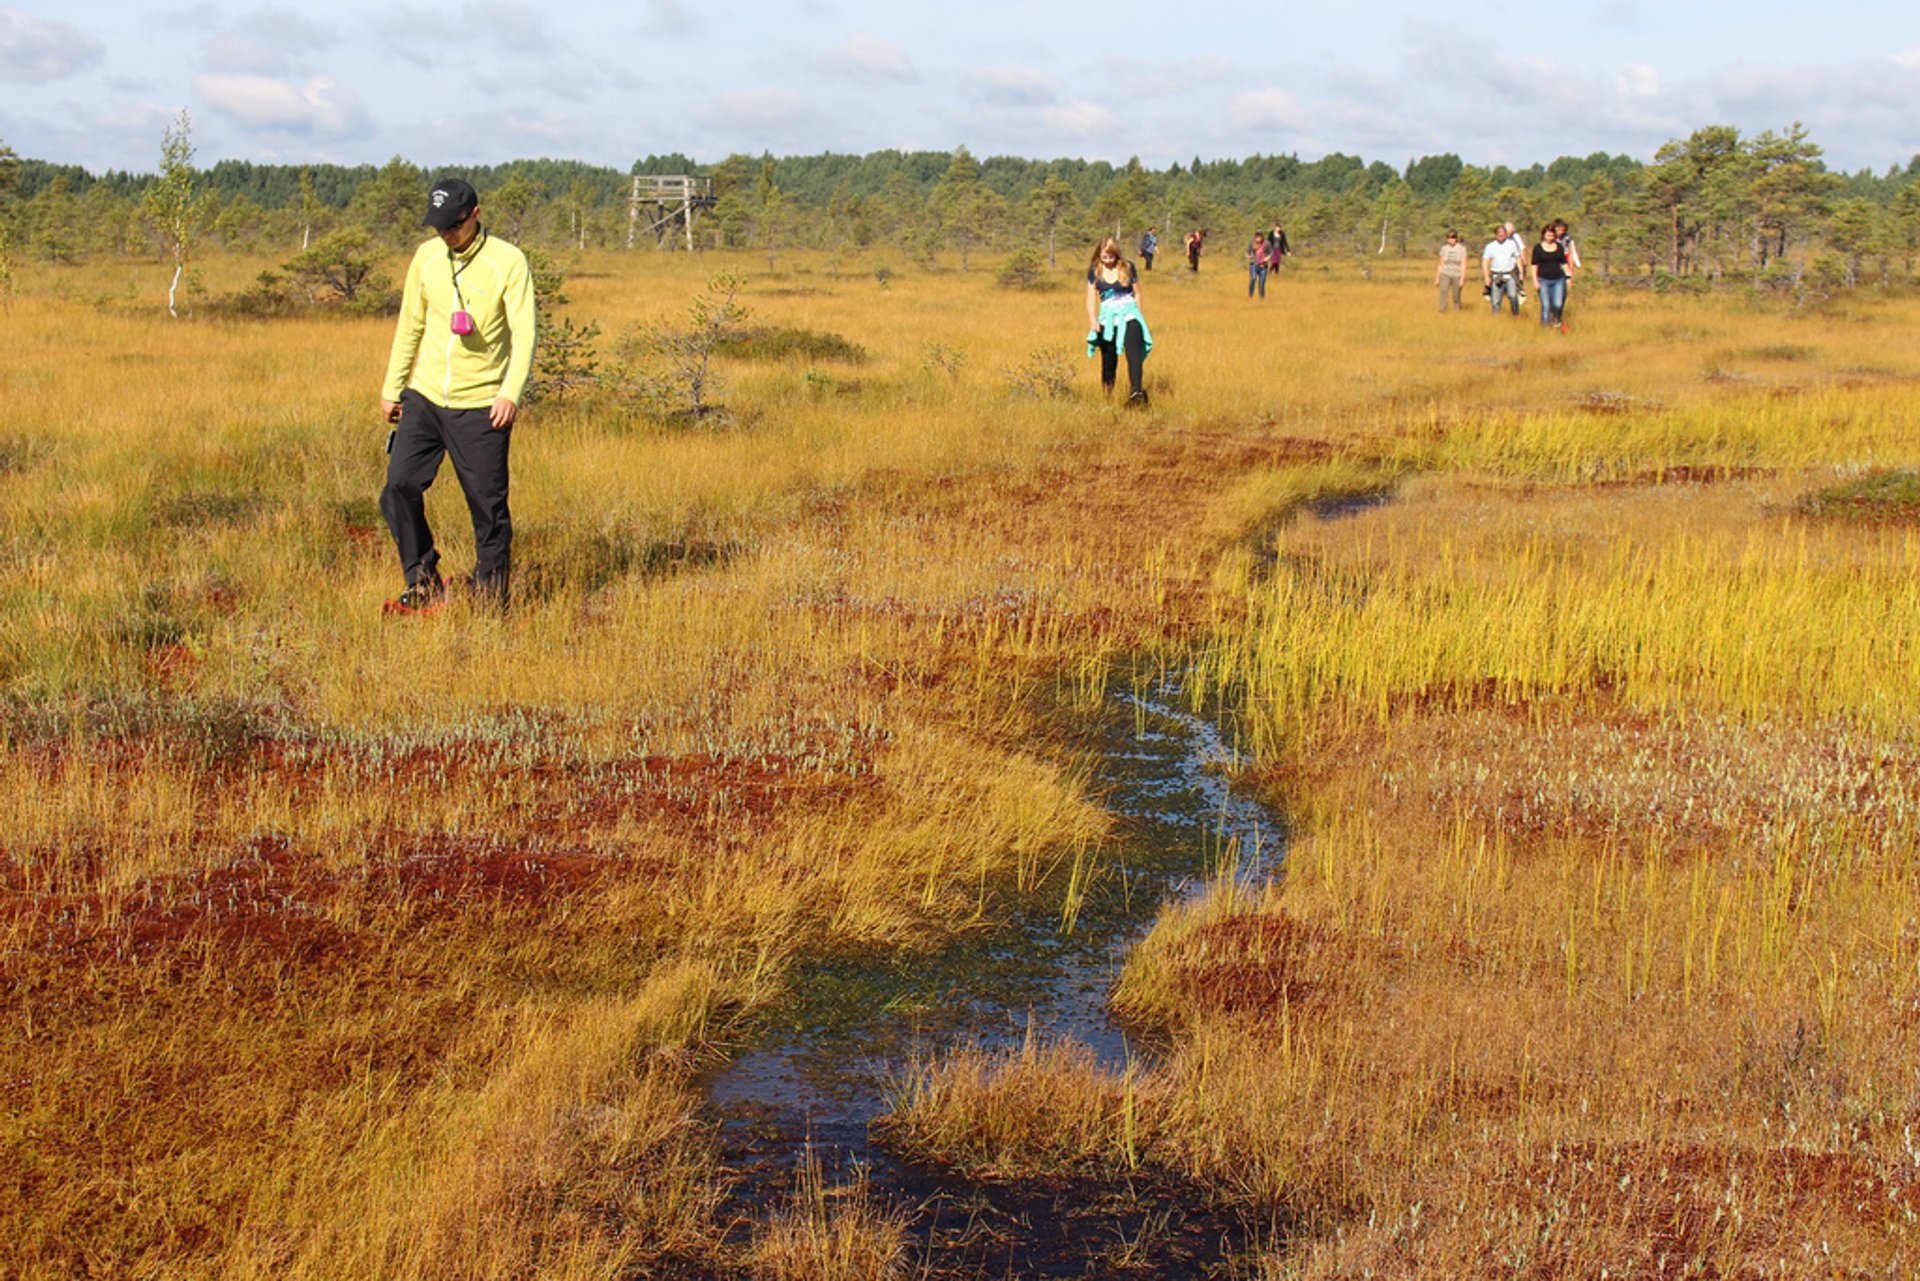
(458, 396)
(1505, 264)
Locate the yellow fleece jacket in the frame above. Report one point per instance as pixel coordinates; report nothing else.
(464, 371)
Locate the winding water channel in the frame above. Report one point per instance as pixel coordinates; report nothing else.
(821, 1069)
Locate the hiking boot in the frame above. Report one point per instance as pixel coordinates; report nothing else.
(428, 596)
(1137, 400)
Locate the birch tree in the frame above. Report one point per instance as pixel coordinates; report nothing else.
(170, 204)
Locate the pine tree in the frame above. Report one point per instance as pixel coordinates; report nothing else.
(1051, 203)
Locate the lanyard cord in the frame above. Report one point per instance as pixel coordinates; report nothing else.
(456, 270)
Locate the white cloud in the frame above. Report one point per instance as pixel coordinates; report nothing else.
(1080, 119)
(868, 59)
(318, 107)
(35, 52)
(1265, 111)
(1172, 78)
(141, 118)
(753, 109)
(1760, 88)
(1636, 80)
(231, 52)
(670, 18)
(511, 27)
(1010, 86)
(265, 42)
(619, 75)
(432, 38)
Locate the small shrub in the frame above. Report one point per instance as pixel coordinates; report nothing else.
(766, 342)
(883, 276)
(1779, 351)
(1044, 374)
(668, 370)
(17, 454)
(564, 360)
(1024, 269)
(200, 508)
(269, 297)
(1665, 282)
(819, 384)
(938, 356)
(339, 269)
(1885, 496)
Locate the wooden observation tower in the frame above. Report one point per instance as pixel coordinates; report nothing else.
(666, 201)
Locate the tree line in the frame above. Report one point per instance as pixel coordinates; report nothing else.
(1714, 207)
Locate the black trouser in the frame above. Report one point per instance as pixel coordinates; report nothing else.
(1147, 256)
(1135, 343)
(427, 433)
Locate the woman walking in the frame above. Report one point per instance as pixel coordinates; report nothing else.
(1453, 271)
(1114, 321)
(1550, 272)
(1257, 264)
(1277, 248)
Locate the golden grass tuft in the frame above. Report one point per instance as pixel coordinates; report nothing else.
(838, 1233)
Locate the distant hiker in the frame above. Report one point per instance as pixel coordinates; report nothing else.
(1452, 273)
(1149, 246)
(1257, 261)
(1114, 321)
(1519, 247)
(1549, 260)
(1500, 268)
(461, 354)
(1277, 248)
(1574, 265)
(1196, 240)
(1566, 242)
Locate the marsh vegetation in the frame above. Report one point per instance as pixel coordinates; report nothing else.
(1584, 667)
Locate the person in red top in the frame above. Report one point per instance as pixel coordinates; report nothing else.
(1196, 240)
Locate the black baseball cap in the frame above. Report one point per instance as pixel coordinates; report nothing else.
(450, 201)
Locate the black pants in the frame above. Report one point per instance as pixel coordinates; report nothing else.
(1135, 343)
(1146, 256)
(427, 433)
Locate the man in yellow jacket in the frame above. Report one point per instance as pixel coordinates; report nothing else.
(461, 354)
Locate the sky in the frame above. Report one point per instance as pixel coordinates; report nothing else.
(95, 83)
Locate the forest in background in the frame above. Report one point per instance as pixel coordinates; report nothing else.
(1713, 208)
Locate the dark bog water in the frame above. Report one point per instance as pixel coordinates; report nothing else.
(819, 1071)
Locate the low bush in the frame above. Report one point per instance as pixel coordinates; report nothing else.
(1890, 496)
(780, 342)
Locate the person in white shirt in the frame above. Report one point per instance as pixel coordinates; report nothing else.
(1520, 247)
(1500, 268)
